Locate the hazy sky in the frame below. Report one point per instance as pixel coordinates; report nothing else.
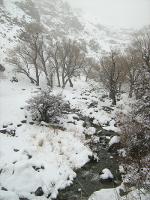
(118, 13)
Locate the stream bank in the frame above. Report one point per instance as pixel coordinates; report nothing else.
(88, 180)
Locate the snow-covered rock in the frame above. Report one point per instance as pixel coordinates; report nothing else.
(113, 194)
(104, 194)
(90, 131)
(114, 140)
(106, 174)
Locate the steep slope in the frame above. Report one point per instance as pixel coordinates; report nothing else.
(35, 159)
(60, 20)
(12, 19)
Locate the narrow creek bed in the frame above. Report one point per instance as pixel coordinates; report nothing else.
(88, 180)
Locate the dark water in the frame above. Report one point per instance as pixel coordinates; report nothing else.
(87, 180)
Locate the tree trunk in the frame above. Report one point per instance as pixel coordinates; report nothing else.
(113, 99)
(63, 81)
(112, 95)
(58, 78)
(70, 82)
(51, 80)
(131, 90)
(37, 76)
(30, 78)
(86, 79)
(32, 81)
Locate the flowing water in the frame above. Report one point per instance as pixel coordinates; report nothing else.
(88, 178)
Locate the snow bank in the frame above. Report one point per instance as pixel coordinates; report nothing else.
(104, 194)
(5, 195)
(113, 194)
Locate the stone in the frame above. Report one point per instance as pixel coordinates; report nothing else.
(5, 126)
(4, 131)
(10, 124)
(36, 168)
(39, 192)
(4, 189)
(24, 121)
(19, 125)
(76, 118)
(29, 156)
(9, 132)
(14, 79)
(93, 158)
(84, 98)
(23, 198)
(31, 123)
(16, 150)
(12, 132)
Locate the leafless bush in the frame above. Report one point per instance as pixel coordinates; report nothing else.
(46, 107)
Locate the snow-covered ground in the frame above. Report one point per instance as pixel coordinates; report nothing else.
(39, 156)
(36, 156)
(113, 194)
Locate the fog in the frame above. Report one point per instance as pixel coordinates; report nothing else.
(117, 13)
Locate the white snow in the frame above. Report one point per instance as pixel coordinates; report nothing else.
(40, 156)
(90, 131)
(106, 174)
(104, 194)
(113, 194)
(55, 153)
(5, 195)
(114, 140)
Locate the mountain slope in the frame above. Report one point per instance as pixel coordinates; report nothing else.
(59, 20)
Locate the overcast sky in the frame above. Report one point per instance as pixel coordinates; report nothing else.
(118, 13)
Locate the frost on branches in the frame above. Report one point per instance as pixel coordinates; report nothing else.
(46, 107)
(136, 135)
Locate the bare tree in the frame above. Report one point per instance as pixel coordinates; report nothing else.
(54, 58)
(135, 141)
(72, 60)
(30, 51)
(111, 73)
(26, 55)
(44, 53)
(88, 68)
(19, 59)
(142, 43)
(133, 64)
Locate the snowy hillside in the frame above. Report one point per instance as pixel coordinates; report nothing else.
(77, 148)
(34, 156)
(60, 20)
(12, 19)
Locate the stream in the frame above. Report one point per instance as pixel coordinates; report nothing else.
(88, 180)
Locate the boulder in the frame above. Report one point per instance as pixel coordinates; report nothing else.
(39, 192)
(114, 144)
(106, 175)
